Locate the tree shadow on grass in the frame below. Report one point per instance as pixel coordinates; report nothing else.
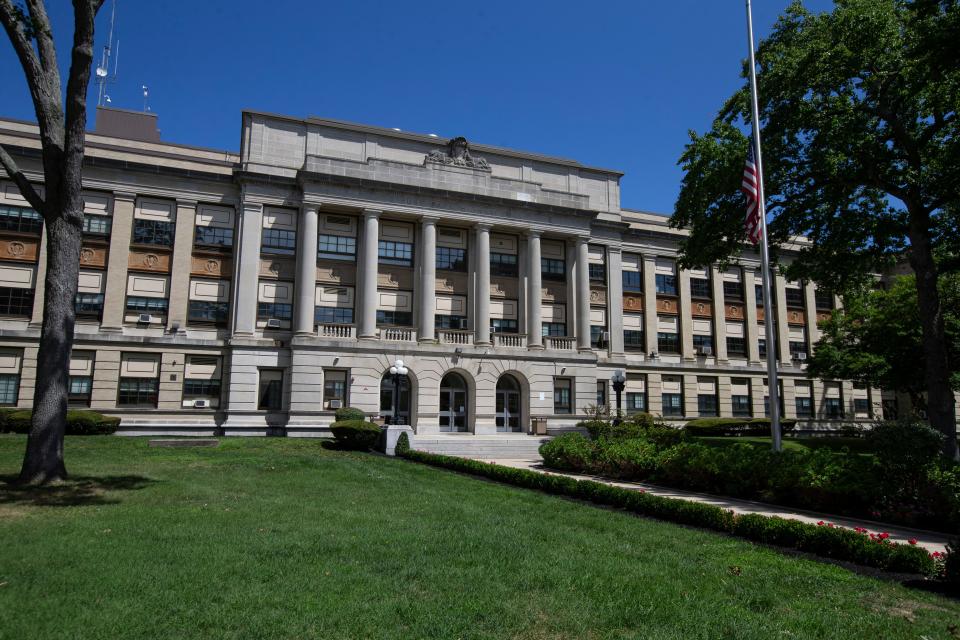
(75, 491)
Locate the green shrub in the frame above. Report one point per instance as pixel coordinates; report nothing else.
(905, 445)
(5, 419)
(635, 458)
(357, 435)
(79, 422)
(634, 425)
(569, 452)
(403, 444)
(831, 542)
(19, 421)
(345, 414)
(735, 426)
(951, 564)
(664, 435)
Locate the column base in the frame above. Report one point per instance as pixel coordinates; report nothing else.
(109, 329)
(584, 349)
(426, 340)
(535, 347)
(478, 343)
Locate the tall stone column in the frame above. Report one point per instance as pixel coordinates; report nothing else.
(367, 276)
(534, 292)
(686, 314)
(39, 285)
(180, 264)
(428, 279)
(306, 271)
(115, 289)
(482, 321)
(615, 299)
(650, 304)
(246, 283)
(583, 294)
(719, 318)
(751, 323)
(810, 313)
(783, 329)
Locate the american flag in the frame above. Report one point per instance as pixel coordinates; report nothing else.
(750, 187)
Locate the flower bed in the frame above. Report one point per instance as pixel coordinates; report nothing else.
(826, 541)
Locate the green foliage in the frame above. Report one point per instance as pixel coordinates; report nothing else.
(403, 444)
(951, 565)
(570, 452)
(357, 435)
(831, 542)
(345, 414)
(904, 446)
(5, 413)
(79, 422)
(632, 426)
(735, 426)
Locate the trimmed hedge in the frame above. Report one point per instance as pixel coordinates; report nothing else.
(831, 542)
(403, 444)
(5, 419)
(79, 422)
(735, 426)
(344, 414)
(358, 435)
(632, 426)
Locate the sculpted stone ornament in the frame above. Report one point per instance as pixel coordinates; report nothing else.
(457, 154)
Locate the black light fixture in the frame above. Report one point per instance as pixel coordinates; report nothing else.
(619, 380)
(397, 370)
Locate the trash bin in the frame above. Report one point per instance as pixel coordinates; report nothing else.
(538, 426)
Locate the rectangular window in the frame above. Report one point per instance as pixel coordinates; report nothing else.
(334, 388)
(88, 305)
(758, 291)
(16, 302)
(398, 253)
(824, 300)
(598, 273)
(804, 407)
(20, 220)
(596, 336)
(279, 241)
(503, 264)
(861, 405)
(601, 393)
(451, 259)
(742, 407)
(9, 388)
(554, 329)
(212, 237)
(454, 323)
(391, 318)
(703, 345)
(204, 311)
(140, 304)
(562, 396)
(833, 408)
(766, 405)
(154, 232)
(333, 247)
(276, 310)
(270, 396)
(797, 347)
(762, 347)
(673, 404)
(633, 340)
(97, 226)
(736, 346)
(138, 392)
(78, 393)
(668, 343)
(700, 288)
(552, 269)
(666, 284)
(732, 291)
(197, 387)
(332, 315)
(794, 297)
(632, 281)
(636, 402)
(707, 405)
(503, 325)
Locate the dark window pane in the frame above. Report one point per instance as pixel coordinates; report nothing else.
(451, 322)
(794, 297)
(503, 264)
(668, 343)
(213, 237)
(672, 404)
(554, 329)
(451, 259)
(333, 315)
(276, 310)
(552, 269)
(633, 340)
(632, 281)
(804, 407)
(394, 318)
(703, 344)
(203, 311)
(736, 346)
(742, 406)
(598, 273)
(140, 304)
(138, 392)
(707, 405)
(399, 253)
(88, 305)
(336, 247)
(16, 302)
(636, 402)
(732, 291)
(155, 232)
(197, 387)
(20, 219)
(700, 288)
(666, 284)
(279, 241)
(97, 225)
(9, 388)
(503, 325)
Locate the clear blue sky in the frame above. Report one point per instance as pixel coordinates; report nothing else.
(611, 84)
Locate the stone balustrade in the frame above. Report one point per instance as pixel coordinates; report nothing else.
(340, 331)
(399, 334)
(449, 336)
(561, 343)
(511, 340)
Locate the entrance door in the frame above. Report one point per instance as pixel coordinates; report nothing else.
(386, 399)
(453, 403)
(508, 405)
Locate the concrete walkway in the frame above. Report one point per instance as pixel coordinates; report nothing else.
(929, 540)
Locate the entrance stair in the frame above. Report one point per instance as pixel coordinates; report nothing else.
(517, 446)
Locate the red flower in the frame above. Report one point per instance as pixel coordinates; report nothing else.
(884, 535)
(821, 523)
(912, 541)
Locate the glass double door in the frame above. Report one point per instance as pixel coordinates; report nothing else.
(387, 399)
(453, 409)
(508, 410)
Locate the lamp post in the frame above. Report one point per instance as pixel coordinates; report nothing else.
(397, 370)
(619, 382)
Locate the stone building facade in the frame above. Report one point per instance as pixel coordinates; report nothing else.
(254, 293)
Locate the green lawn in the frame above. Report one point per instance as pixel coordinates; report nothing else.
(280, 538)
(836, 443)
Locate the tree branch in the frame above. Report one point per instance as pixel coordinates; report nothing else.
(10, 17)
(43, 34)
(16, 174)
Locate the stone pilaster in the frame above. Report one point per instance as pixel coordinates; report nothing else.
(428, 279)
(367, 274)
(534, 292)
(180, 264)
(583, 294)
(115, 288)
(783, 330)
(752, 328)
(654, 394)
(810, 311)
(482, 304)
(686, 315)
(306, 287)
(615, 299)
(650, 304)
(691, 393)
(719, 320)
(40, 284)
(246, 283)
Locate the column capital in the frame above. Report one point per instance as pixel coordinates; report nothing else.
(372, 213)
(124, 196)
(483, 226)
(614, 248)
(533, 233)
(309, 206)
(429, 219)
(186, 202)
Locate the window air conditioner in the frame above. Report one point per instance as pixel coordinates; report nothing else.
(201, 404)
(335, 404)
(605, 336)
(801, 356)
(705, 351)
(463, 323)
(273, 323)
(144, 318)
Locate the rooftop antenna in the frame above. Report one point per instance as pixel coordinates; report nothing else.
(146, 94)
(103, 69)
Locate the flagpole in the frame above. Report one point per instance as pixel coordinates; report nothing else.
(772, 385)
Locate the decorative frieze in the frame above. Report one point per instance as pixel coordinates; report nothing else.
(823, 316)
(598, 296)
(452, 283)
(280, 268)
(633, 303)
(337, 273)
(504, 288)
(211, 267)
(760, 314)
(701, 309)
(554, 292)
(389, 277)
(93, 257)
(733, 312)
(19, 250)
(796, 316)
(668, 306)
(154, 262)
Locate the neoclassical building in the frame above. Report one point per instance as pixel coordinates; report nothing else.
(256, 292)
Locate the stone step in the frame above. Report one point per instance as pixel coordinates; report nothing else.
(520, 447)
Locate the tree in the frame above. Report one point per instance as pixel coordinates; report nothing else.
(62, 124)
(861, 147)
(876, 337)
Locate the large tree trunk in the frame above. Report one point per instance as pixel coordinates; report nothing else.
(940, 401)
(43, 461)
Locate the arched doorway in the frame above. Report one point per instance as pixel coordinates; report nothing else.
(387, 391)
(453, 403)
(508, 404)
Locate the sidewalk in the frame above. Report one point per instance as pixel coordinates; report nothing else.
(929, 540)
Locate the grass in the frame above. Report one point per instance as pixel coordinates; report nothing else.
(834, 443)
(281, 538)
